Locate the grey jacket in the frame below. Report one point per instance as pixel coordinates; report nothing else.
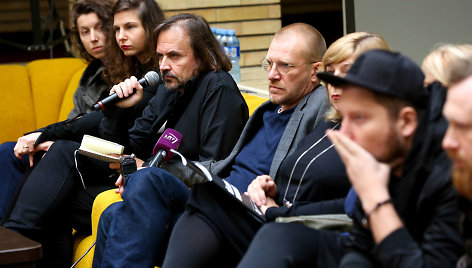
(306, 116)
(92, 88)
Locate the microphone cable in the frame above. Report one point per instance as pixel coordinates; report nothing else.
(87, 251)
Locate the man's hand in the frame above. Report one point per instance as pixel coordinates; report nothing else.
(119, 183)
(125, 89)
(368, 176)
(370, 180)
(261, 189)
(270, 202)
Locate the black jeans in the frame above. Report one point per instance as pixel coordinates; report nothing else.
(294, 245)
(52, 200)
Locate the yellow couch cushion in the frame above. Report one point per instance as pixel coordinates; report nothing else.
(16, 102)
(102, 201)
(49, 81)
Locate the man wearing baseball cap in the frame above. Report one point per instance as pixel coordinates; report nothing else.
(406, 214)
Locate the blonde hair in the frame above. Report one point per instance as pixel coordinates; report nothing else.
(350, 45)
(447, 63)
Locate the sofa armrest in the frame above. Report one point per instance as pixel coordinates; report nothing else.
(253, 102)
(102, 201)
(82, 244)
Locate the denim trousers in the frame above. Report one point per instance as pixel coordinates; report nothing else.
(11, 174)
(135, 232)
(52, 200)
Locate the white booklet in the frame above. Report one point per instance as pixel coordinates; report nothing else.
(100, 149)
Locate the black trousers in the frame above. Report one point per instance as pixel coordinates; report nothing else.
(52, 200)
(294, 245)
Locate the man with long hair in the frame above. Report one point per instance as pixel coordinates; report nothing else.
(129, 236)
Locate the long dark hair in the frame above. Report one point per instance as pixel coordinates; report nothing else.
(121, 66)
(206, 49)
(82, 7)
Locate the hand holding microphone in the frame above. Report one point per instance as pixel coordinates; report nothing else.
(129, 92)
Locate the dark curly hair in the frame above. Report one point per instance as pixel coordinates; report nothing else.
(82, 7)
(121, 66)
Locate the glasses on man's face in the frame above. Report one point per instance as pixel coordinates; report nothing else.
(281, 67)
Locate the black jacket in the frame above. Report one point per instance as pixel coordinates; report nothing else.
(425, 200)
(210, 115)
(74, 129)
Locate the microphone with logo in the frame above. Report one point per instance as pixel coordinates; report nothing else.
(169, 140)
(151, 78)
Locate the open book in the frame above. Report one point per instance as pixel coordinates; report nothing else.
(100, 149)
(225, 186)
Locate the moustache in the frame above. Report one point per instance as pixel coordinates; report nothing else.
(167, 74)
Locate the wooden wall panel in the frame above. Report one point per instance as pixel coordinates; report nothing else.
(191, 4)
(15, 15)
(255, 21)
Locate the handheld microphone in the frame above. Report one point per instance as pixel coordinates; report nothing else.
(151, 78)
(169, 140)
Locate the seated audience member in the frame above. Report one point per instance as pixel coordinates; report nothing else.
(202, 102)
(297, 104)
(406, 214)
(293, 244)
(435, 66)
(91, 21)
(457, 141)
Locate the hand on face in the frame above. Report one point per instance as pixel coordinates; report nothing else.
(368, 176)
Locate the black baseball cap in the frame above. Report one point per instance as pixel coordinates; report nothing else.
(384, 72)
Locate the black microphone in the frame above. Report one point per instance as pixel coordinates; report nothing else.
(151, 78)
(170, 139)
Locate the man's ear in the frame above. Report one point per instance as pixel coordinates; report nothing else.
(407, 121)
(315, 67)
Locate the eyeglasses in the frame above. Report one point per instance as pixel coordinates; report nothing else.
(281, 67)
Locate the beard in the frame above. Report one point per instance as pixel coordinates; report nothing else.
(396, 150)
(179, 84)
(462, 180)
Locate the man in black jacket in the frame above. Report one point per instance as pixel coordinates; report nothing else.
(406, 214)
(200, 100)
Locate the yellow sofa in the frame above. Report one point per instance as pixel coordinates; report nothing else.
(36, 94)
(40, 93)
(103, 200)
